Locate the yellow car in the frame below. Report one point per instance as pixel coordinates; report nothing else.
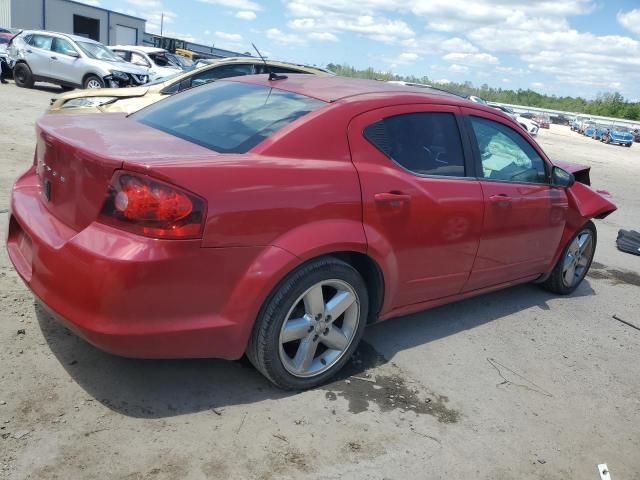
(130, 100)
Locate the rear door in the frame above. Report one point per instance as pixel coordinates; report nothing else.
(38, 55)
(524, 215)
(420, 204)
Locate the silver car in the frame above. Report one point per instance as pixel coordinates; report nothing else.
(69, 61)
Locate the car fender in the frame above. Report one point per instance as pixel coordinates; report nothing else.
(319, 238)
(276, 261)
(584, 204)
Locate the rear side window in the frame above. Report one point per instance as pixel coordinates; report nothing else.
(41, 41)
(426, 143)
(227, 117)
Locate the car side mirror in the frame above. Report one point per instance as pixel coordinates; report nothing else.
(73, 54)
(562, 178)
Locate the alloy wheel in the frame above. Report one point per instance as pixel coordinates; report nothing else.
(578, 258)
(319, 328)
(93, 84)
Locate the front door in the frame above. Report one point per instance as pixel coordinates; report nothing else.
(524, 215)
(420, 205)
(64, 59)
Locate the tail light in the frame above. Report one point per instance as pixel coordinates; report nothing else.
(150, 207)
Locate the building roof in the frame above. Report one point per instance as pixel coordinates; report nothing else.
(105, 10)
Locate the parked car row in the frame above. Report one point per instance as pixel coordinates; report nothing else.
(529, 125)
(612, 134)
(78, 62)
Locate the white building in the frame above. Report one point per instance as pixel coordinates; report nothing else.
(67, 16)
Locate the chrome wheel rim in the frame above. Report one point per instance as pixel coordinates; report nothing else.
(319, 328)
(93, 84)
(578, 258)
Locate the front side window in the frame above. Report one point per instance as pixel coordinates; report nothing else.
(426, 143)
(227, 117)
(62, 46)
(41, 41)
(124, 55)
(138, 59)
(505, 154)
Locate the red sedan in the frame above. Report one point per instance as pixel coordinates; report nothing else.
(278, 217)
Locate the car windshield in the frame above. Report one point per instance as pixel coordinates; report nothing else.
(98, 51)
(227, 117)
(165, 79)
(621, 129)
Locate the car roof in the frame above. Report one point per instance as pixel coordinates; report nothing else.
(75, 38)
(333, 88)
(138, 48)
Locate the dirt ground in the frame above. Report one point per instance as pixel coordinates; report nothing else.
(518, 384)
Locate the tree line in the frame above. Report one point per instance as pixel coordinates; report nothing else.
(605, 104)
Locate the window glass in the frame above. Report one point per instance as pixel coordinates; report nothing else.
(224, 71)
(506, 155)
(60, 45)
(138, 59)
(227, 117)
(41, 41)
(426, 143)
(124, 55)
(98, 51)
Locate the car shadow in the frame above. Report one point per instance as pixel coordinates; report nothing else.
(167, 388)
(48, 87)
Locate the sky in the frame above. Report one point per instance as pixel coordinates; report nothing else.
(560, 47)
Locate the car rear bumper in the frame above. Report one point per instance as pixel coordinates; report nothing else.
(136, 296)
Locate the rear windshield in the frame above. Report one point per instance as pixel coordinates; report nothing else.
(227, 117)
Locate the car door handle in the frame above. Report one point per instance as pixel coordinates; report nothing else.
(53, 57)
(394, 199)
(29, 51)
(502, 200)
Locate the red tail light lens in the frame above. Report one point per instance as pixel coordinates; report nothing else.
(153, 208)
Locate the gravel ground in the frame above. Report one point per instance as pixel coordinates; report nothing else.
(516, 384)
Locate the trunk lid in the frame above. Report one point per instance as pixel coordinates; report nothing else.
(76, 157)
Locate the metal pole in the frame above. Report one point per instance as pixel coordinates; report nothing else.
(161, 23)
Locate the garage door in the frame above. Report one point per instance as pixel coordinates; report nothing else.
(126, 35)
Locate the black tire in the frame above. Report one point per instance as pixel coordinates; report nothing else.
(264, 344)
(555, 283)
(22, 76)
(66, 88)
(92, 78)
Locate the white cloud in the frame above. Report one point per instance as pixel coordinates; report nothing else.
(229, 37)
(248, 5)
(406, 58)
(246, 15)
(457, 44)
(93, 3)
(630, 20)
(323, 36)
(455, 68)
(443, 80)
(537, 84)
(476, 59)
(278, 36)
